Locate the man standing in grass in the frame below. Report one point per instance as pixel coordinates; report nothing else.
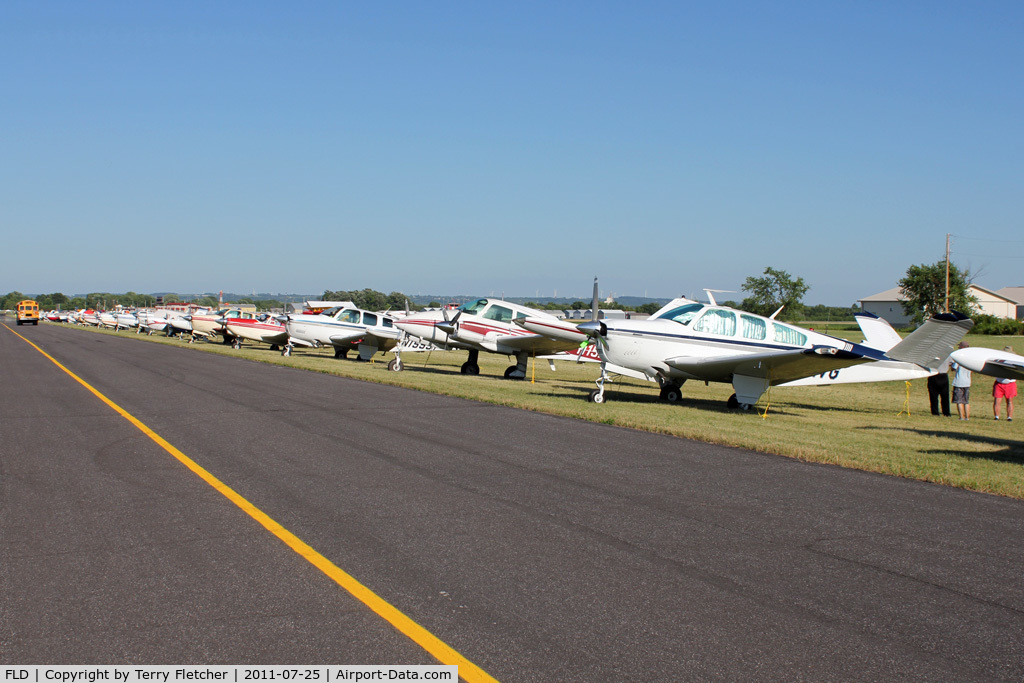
(962, 387)
(938, 390)
(1004, 389)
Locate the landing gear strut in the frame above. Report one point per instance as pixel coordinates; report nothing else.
(518, 371)
(597, 395)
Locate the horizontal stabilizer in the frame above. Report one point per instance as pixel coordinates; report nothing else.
(930, 345)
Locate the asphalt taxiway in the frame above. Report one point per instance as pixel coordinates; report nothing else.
(540, 548)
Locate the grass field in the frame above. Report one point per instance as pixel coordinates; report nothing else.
(882, 427)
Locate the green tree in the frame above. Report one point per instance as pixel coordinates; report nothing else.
(924, 291)
(777, 288)
(649, 308)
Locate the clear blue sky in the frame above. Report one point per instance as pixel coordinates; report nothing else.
(518, 147)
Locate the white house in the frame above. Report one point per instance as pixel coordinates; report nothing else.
(1015, 294)
(887, 304)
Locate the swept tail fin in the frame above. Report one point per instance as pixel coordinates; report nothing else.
(878, 333)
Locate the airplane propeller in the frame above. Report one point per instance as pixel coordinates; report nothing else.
(594, 328)
(450, 327)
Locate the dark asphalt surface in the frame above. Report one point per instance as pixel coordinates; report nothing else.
(541, 548)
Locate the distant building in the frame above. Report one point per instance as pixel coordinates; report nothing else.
(888, 305)
(1016, 295)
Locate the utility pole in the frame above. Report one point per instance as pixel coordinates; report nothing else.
(947, 272)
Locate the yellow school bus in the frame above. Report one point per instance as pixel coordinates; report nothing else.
(28, 312)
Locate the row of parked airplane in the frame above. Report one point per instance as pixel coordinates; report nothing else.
(684, 340)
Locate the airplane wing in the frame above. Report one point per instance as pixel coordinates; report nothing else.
(369, 335)
(777, 367)
(1002, 364)
(347, 338)
(531, 343)
(1004, 369)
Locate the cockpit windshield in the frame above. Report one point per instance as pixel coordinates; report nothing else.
(474, 307)
(682, 314)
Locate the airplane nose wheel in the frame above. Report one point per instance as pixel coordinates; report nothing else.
(597, 395)
(286, 350)
(396, 365)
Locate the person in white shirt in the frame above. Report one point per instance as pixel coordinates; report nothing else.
(962, 387)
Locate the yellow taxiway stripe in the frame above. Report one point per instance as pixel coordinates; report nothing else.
(468, 671)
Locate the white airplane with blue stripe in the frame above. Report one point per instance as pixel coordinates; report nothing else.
(704, 341)
(345, 328)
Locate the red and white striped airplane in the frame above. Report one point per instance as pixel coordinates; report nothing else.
(490, 325)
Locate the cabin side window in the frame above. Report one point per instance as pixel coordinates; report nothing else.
(499, 313)
(369, 319)
(717, 321)
(754, 328)
(788, 335)
(349, 316)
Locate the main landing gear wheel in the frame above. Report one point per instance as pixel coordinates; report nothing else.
(510, 373)
(672, 393)
(395, 365)
(734, 404)
(237, 344)
(470, 368)
(595, 396)
(340, 353)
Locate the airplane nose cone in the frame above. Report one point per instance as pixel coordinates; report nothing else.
(591, 328)
(446, 327)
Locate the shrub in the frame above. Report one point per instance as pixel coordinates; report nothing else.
(990, 324)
